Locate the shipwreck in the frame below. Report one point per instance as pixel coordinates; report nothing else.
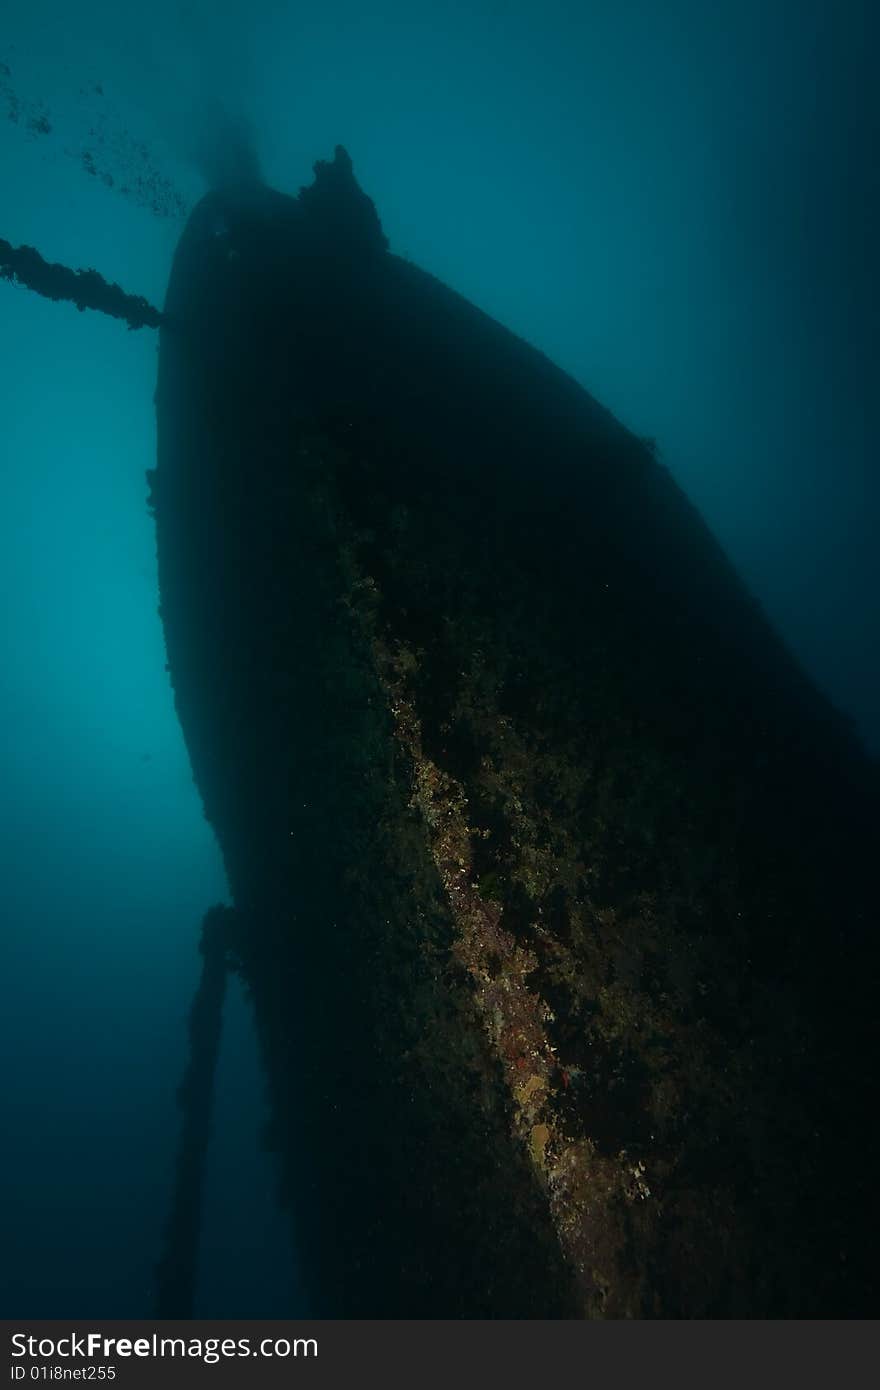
(552, 874)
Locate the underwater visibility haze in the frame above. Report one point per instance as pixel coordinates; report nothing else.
(447, 652)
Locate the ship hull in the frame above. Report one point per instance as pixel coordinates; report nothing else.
(550, 867)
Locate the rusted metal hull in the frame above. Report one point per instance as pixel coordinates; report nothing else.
(550, 867)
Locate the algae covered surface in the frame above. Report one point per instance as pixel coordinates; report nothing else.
(551, 870)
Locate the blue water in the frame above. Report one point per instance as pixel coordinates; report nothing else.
(676, 201)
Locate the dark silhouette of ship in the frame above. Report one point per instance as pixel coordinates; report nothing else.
(553, 875)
